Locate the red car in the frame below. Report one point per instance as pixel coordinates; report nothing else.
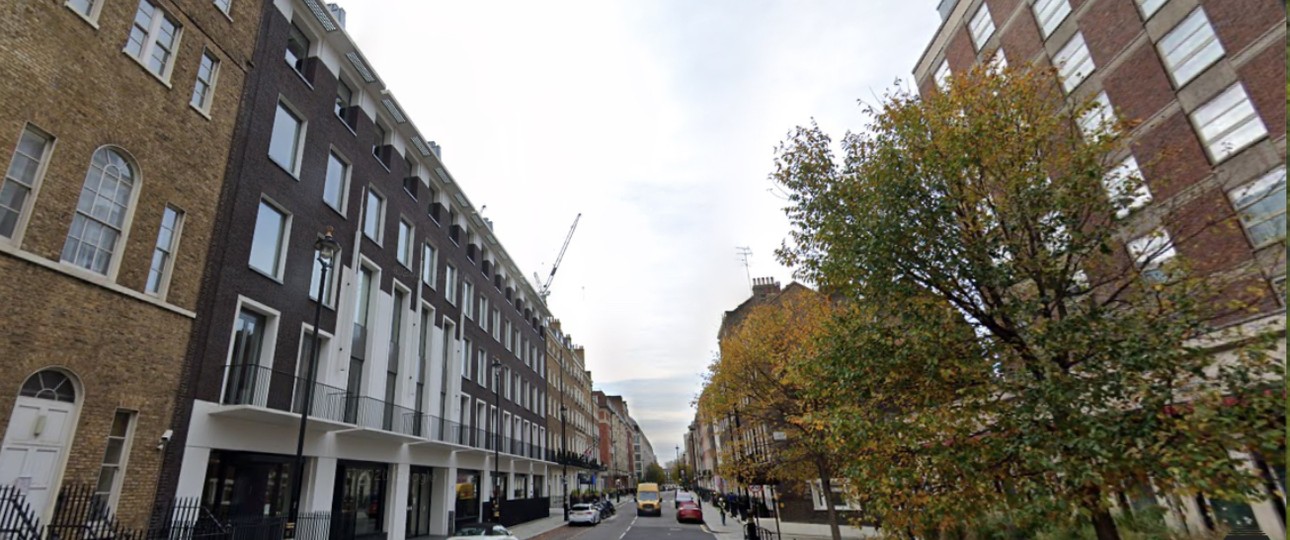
(689, 511)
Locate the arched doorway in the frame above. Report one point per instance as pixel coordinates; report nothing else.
(39, 436)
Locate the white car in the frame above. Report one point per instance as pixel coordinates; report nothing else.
(483, 531)
(584, 513)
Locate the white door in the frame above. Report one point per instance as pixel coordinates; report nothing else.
(34, 445)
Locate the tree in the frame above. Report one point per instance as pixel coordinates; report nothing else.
(654, 473)
(1084, 369)
(756, 388)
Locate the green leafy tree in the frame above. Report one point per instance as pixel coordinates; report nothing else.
(654, 473)
(1007, 355)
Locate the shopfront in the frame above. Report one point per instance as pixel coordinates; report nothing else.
(247, 484)
(467, 506)
(420, 484)
(359, 499)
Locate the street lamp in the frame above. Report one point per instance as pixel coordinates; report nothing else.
(564, 453)
(328, 248)
(497, 438)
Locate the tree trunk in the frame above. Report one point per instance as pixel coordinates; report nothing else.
(1104, 522)
(827, 486)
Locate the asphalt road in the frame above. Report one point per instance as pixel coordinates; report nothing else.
(625, 525)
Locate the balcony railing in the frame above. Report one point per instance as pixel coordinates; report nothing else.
(260, 386)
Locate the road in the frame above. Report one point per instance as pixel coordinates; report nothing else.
(627, 526)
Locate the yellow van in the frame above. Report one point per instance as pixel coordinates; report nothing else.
(647, 500)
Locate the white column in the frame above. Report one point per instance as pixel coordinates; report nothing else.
(192, 474)
(396, 506)
(443, 498)
(320, 486)
(1265, 513)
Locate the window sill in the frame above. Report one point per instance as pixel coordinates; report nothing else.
(382, 163)
(226, 14)
(299, 74)
(92, 20)
(277, 280)
(346, 124)
(206, 113)
(284, 168)
(92, 278)
(339, 211)
(165, 81)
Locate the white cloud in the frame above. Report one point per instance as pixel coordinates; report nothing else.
(657, 120)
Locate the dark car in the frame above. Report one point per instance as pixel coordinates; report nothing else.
(689, 512)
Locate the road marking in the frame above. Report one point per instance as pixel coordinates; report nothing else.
(629, 527)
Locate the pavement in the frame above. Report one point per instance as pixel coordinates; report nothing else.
(733, 529)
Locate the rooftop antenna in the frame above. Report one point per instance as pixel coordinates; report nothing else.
(745, 253)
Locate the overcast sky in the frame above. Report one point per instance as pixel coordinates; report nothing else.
(657, 120)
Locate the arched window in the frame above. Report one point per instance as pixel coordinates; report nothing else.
(101, 212)
(49, 384)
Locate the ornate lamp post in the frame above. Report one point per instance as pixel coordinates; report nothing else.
(497, 438)
(328, 248)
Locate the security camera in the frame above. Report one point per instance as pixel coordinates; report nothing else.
(165, 438)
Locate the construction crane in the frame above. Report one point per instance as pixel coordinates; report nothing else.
(545, 289)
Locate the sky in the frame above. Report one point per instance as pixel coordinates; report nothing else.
(658, 121)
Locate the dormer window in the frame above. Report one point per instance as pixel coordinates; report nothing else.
(345, 105)
(297, 49)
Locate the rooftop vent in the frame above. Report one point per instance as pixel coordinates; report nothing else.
(394, 111)
(320, 13)
(360, 66)
(421, 146)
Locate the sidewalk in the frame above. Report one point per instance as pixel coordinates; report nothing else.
(538, 527)
(733, 529)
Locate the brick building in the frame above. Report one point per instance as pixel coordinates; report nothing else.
(116, 119)
(616, 436)
(1202, 81)
(574, 436)
(430, 371)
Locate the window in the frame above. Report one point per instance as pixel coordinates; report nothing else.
(112, 470)
(1149, 7)
(1190, 47)
(153, 39)
(336, 183)
(404, 250)
(329, 290)
(204, 89)
(1261, 205)
(162, 255)
(1126, 188)
(483, 310)
(86, 8)
(373, 216)
(344, 98)
(25, 171)
(942, 76)
(450, 284)
(495, 325)
(467, 299)
(286, 139)
(249, 332)
(269, 241)
(101, 212)
(1228, 123)
(378, 138)
(428, 265)
(999, 61)
(297, 49)
(1074, 64)
(223, 5)
(1099, 118)
(981, 27)
(1151, 252)
(1050, 13)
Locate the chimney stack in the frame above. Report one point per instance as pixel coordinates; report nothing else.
(765, 287)
(337, 12)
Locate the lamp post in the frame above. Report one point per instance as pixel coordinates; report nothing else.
(497, 439)
(328, 248)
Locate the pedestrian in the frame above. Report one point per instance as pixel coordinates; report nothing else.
(722, 509)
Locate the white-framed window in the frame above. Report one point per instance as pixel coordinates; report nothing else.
(1228, 123)
(1049, 14)
(483, 309)
(329, 289)
(1261, 205)
(450, 284)
(428, 255)
(344, 98)
(1100, 117)
(481, 368)
(999, 61)
(153, 40)
(159, 269)
(297, 49)
(374, 216)
(495, 325)
(403, 252)
(467, 299)
(981, 26)
(107, 490)
(1074, 63)
(269, 241)
(89, 9)
(21, 179)
(101, 213)
(250, 353)
(1149, 7)
(1190, 47)
(1126, 188)
(942, 76)
(224, 5)
(378, 139)
(1150, 252)
(303, 360)
(336, 182)
(287, 139)
(204, 88)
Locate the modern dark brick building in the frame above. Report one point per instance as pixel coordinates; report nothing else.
(116, 120)
(1202, 81)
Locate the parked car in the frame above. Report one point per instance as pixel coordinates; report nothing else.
(689, 512)
(483, 531)
(584, 513)
(682, 497)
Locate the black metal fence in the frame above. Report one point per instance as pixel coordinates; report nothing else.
(81, 514)
(516, 511)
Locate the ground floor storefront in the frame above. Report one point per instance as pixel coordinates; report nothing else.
(357, 483)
